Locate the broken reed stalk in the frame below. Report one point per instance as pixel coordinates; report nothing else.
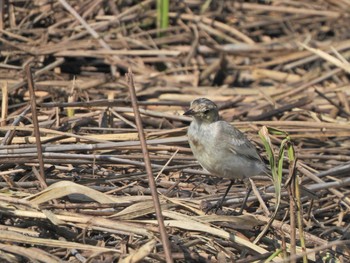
(292, 218)
(300, 218)
(41, 177)
(10, 134)
(4, 104)
(151, 181)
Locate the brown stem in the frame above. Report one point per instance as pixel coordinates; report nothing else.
(151, 181)
(40, 177)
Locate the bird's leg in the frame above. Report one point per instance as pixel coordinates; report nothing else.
(249, 190)
(221, 200)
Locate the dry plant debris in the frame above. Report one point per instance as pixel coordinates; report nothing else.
(282, 64)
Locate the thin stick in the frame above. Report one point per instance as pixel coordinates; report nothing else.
(340, 108)
(91, 31)
(41, 178)
(2, 14)
(4, 104)
(291, 191)
(45, 69)
(10, 134)
(151, 181)
(258, 195)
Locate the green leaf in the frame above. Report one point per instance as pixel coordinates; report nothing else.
(275, 131)
(291, 152)
(162, 14)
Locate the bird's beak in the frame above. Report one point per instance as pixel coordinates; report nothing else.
(190, 112)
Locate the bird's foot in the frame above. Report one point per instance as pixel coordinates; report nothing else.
(216, 208)
(208, 207)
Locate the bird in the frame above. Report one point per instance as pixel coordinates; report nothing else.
(220, 148)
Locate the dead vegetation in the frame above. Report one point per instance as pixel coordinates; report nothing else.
(281, 64)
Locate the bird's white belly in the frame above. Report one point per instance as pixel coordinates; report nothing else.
(218, 161)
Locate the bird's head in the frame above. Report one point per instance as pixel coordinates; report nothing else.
(203, 110)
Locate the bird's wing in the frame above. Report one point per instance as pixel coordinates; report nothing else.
(235, 141)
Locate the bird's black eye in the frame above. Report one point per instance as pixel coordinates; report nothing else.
(206, 112)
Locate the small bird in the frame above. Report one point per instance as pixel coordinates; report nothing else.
(220, 148)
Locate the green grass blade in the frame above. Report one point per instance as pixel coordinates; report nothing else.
(162, 15)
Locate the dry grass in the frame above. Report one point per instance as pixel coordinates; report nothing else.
(281, 64)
